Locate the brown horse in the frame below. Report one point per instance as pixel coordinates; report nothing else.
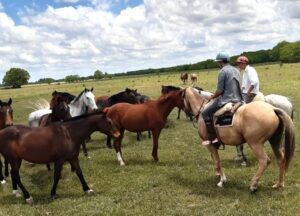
(6, 119)
(254, 123)
(56, 143)
(184, 77)
(193, 78)
(151, 115)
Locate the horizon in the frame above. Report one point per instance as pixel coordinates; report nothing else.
(58, 38)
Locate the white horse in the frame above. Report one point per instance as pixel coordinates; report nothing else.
(278, 101)
(78, 106)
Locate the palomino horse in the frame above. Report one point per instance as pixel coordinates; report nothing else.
(184, 77)
(193, 78)
(151, 115)
(254, 123)
(56, 143)
(6, 120)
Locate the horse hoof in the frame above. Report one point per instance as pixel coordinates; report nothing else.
(16, 193)
(220, 184)
(3, 181)
(277, 186)
(244, 164)
(122, 164)
(29, 200)
(253, 189)
(89, 192)
(53, 197)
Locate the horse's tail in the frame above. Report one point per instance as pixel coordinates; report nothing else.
(287, 127)
(40, 103)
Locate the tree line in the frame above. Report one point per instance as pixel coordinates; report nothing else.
(283, 52)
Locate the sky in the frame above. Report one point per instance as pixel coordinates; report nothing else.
(57, 38)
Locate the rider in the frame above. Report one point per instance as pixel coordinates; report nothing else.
(228, 90)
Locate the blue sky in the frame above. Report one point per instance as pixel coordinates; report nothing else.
(77, 37)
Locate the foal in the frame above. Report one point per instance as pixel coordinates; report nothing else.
(56, 143)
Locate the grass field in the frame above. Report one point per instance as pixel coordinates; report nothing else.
(181, 183)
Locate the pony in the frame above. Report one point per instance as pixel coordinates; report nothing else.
(193, 78)
(78, 106)
(6, 120)
(58, 143)
(253, 123)
(151, 115)
(184, 77)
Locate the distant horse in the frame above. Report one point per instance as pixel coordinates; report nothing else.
(254, 123)
(126, 96)
(193, 78)
(6, 120)
(58, 143)
(184, 77)
(151, 115)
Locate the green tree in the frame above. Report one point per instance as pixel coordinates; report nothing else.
(46, 80)
(16, 77)
(98, 74)
(72, 78)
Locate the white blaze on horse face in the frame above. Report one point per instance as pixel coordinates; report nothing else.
(120, 159)
(91, 100)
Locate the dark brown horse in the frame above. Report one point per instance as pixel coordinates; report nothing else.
(6, 119)
(56, 143)
(61, 96)
(151, 115)
(184, 77)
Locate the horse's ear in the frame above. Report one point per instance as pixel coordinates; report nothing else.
(9, 101)
(0, 102)
(92, 89)
(135, 90)
(54, 93)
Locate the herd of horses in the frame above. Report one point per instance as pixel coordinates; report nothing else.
(185, 76)
(56, 132)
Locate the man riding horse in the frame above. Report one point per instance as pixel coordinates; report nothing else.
(228, 90)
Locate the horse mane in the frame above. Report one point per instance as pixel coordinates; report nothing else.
(115, 98)
(77, 97)
(84, 116)
(169, 88)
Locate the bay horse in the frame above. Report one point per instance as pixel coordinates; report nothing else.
(184, 77)
(126, 96)
(254, 123)
(151, 115)
(58, 143)
(6, 120)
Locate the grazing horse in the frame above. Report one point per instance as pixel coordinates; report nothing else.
(254, 123)
(58, 143)
(6, 120)
(184, 77)
(127, 96)
(193, 78)
(151, 115)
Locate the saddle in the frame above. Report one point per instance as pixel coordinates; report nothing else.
(224, 116)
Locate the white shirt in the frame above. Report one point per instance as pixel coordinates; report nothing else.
(250, 78)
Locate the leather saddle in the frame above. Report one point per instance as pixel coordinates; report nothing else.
(225, 115)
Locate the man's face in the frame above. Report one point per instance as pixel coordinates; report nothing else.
(241, 65)
(220, 64)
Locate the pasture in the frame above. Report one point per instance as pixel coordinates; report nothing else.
(181, 183)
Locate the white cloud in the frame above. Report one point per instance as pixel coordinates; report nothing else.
(80, 39)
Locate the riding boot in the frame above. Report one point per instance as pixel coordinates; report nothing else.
(212, 136)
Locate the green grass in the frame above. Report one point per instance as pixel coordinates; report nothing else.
(181, 183)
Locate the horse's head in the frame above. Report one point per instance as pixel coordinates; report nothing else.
(61, 110)
(65, 96)
(106, 125)
(6, 114)
(129, 96)
(169, 88)
(89, 99)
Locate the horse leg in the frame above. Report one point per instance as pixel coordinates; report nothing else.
(48, 166)
(138, 135)
(57, 175)
(75, 164)
(240, 154)
(6, 168)
(263, 160)
(217, 163)
(117, 145)
(149, 134)
(178, 115)
(278, 151)
(108, 141)
(84, 149)
(2, 180)
(155, 134)
(15, 176)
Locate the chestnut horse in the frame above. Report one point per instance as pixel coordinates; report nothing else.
(184, 77)
(193, 78)
(151, 115)
(254, 123)
(6, 119)
(56, 143)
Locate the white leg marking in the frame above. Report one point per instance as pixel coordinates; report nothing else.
(119, 157)
(16, 193)
(3, 181)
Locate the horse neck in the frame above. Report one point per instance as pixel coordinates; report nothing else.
(165, 105)
(196, 102)
(77, 107)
